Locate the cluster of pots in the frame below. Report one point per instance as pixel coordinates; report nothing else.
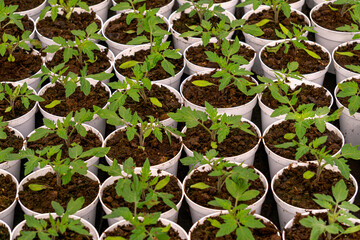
(349, 124)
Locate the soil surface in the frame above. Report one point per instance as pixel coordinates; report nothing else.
(197, 55)
(229, 97)
(125, 231)
(68, 235)
(93, 2)
(7, 191)
(25, 65)
(299, 232)
(181, 24)
(269, 28)
(119, 31)
(79, 186)
(156, 73)
(101, 64)
(98, 96)
(346, 60)
(24, 4)
(113, 201)
(157, 152)
(4, 232)
(17, 111)
(11, 141)
(236, 143)
(307, 64)
(345, 100)
(276, 134)
(206, 231)
(294, 189)
(204, 196)
(14, 30)
(145, 108)
(149, 4)
(308, 94)
(88, 142)
(330, 19)
(62, 26)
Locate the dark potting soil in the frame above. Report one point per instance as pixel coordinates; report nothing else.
(346, 60)
(230, 96)
(308, 94)
(307, 64)
(79, 186)
(145, 108)
(93, 2)
(24, 4)
(182, 24)
(331, 19)
(62, 26)
(204, 196)
(275, 136)
(345, 100)
(17, 111)
(25, 65)
(149, 3)
(98, 97)
(156, 73)
(119, 31)
(88, 142)
(126, 231)
(157, 152)
(197, 55)
(299, 232)
(14, 30)
(294, 189)
(113, 201)
(67, 235)
(4, 232)
(236, 143)
(269, 28)
(101, 64)
(206, 231)
(7, 191)
(11, 141)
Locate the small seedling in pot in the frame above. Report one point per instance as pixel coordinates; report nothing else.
(67, 6)
(353, 8)
(7, 15)
(6, 154)
(338, 220)
(352, 67)
(350, 89)
(55, 227)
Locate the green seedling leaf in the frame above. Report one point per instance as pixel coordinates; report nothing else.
(200, 185)
(37, 187)
(128, 64)
(308, 174)
(53, 104)
(202, 83)
(262, 22)
(349, 54)
(156, 102)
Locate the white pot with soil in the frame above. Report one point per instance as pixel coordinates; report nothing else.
(313, 3)
(294, 5)
(229, 5)
(163, 10)
(34, 13)
(101, 9)
(7, 206)
(171, 214)
(5, 227)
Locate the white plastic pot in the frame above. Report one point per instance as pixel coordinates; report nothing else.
(244, 110)
(119, 47)
(342, 73)
(173, 81)
(230, 5)
(92, 230)
(101, 9)
(267, 120)
(192, 68)
(182, 43)
(96, 122)
(47, 41)
(316, 77)
(14, 166)
(169, 166)
(88, 213)
(176, 227)
(2, 223)
(197, 211)
(171, 214)
(90, 163)
(8, 214)
(296, 5)
(329, 38)
(277, 162)
(164, 10)
(202, 220)
(35, 12)
(286, 211)
(257, 43)
(26, 123)
(349, 124)
(313, 3)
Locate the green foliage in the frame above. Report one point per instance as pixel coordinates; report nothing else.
(46, 231)
(7, 14)
(338, 213)
(352, 67)
(353, 8)
(68, 6)
(6, 154)
(350, 89)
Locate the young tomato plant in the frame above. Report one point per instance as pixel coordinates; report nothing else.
(350, 89)
(68, 6)
(353, 8)
(7, 16)
(6, 154)
(338, 220)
